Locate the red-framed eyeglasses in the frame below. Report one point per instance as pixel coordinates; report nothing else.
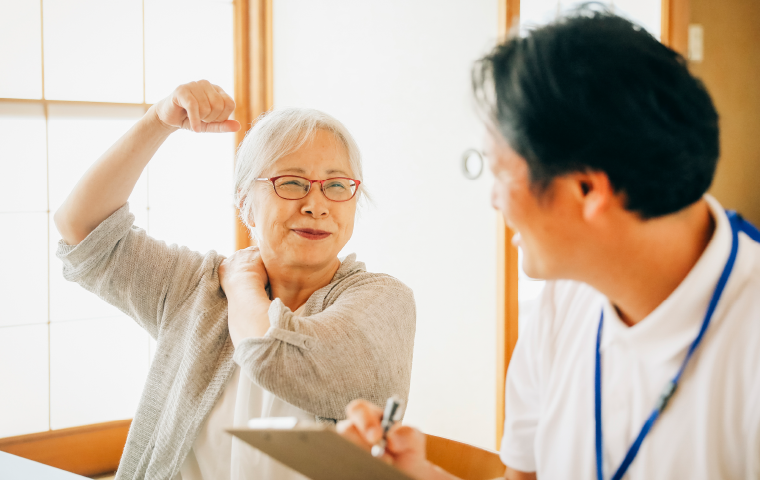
(291, 187)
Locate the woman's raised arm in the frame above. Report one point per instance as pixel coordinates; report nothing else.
(106, 186)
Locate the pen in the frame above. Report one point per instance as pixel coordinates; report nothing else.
(391, 415)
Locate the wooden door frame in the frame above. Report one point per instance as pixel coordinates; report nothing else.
(507, 266)
(674, 25)
(674, 33)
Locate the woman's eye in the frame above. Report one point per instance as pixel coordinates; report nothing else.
(337, 185)
(293, 183)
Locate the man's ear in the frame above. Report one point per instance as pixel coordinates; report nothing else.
(595, 192)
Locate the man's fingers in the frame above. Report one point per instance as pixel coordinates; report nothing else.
(402, 439)
(348, 430)
(366, 417)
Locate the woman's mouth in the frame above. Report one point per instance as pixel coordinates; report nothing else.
(311, 234)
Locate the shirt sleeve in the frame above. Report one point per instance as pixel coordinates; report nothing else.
(141, 276)
(522, 397)
(358, 347)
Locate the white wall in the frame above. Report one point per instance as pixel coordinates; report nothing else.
(397, 73)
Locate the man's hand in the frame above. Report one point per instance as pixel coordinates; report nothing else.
(199, 107)
(405, 448)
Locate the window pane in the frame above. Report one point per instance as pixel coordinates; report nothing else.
(78, 135)
(23, 169)
(534, 13)
(190, 194)
(98, 368)
(647, 13)
(23, 253)
(93, 50)
(24, 380)
(20, 50)
(173, 56)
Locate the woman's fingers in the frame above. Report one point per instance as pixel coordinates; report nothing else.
(366, 418)
(184, 98)
(216, 102)
(226, 126)
(207, 107)
(229, 105)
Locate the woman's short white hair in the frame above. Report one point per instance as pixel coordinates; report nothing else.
(278, 133)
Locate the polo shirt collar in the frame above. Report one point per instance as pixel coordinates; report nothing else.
(672, 326)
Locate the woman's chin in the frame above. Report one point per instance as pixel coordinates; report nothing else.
(306, 260)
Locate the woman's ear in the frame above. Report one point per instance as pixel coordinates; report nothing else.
(242, 209)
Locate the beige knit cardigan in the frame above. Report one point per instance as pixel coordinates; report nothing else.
(354, 339)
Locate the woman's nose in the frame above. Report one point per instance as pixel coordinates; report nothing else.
(315, 203)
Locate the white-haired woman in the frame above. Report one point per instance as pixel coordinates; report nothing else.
(283, 329)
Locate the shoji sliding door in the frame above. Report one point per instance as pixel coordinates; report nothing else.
(74, 76)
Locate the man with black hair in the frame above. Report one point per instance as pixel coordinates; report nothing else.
(643, 359)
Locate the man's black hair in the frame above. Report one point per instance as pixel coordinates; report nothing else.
(594, 92)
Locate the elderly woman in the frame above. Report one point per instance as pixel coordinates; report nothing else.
(282, 329)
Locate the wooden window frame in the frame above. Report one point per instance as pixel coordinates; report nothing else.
(253, 76)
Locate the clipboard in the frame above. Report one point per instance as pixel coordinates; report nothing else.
(316, 451)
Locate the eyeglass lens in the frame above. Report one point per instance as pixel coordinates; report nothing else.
(294, 188)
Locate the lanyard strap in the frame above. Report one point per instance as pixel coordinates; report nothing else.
(737, 224)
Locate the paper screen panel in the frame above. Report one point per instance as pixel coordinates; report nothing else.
(196, 43)
(23, 255)
(98, 368)
(93, 50)
(78, 136)
(24, 380)
(23, 162)
(190, 192)
(20, 49)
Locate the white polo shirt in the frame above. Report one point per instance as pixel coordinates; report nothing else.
(711, 427)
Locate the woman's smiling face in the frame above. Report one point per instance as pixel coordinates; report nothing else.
(309, 232)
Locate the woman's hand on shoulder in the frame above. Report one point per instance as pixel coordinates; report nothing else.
(243, 279)
(199, 107)
(406, 445)
(243, 270)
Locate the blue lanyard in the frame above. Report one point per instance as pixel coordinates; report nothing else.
(737, 224)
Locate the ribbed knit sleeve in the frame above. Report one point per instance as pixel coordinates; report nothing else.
(360, 346)
(143, 277)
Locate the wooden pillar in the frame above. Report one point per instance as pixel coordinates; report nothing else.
(253, 74)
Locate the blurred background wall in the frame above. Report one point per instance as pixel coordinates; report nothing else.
(731, 70)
